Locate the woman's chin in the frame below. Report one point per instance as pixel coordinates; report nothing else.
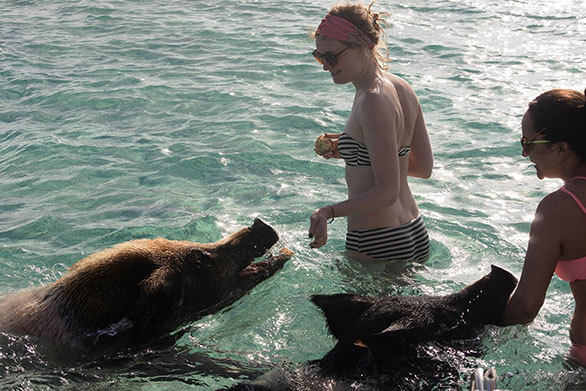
(338, 79)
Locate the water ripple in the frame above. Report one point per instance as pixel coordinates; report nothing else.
(187, 119)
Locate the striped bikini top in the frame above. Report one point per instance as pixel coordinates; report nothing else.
(574, 269)
(356, 154)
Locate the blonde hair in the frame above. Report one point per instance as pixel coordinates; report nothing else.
(369, 22)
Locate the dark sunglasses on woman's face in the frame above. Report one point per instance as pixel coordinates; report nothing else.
(331, 58)
(527, 141)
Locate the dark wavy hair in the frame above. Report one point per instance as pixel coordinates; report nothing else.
(561, 113)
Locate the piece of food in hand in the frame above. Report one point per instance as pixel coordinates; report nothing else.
(285, 252)
(323, 145)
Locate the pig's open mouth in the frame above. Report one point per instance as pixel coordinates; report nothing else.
(268, 265)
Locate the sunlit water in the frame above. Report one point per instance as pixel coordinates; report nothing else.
(186, 119)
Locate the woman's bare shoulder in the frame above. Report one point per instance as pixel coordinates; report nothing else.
(400, 84)
(553, 201)
(555, 210)
(404, 90)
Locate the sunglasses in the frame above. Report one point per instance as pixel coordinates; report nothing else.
(527, 141)
(331, 58)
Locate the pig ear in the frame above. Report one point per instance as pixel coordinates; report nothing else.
(506, 275)
(158, 297)
(199, 258)
(341, 310)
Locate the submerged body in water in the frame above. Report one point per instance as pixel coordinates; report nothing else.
(403, 341)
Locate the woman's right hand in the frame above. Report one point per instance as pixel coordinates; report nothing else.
(333, 137)
(318, 227)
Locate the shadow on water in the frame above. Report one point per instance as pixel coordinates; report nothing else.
(27, 362)
(430, 366)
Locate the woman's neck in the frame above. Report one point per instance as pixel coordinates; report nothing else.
(370, 71)
(577, 170)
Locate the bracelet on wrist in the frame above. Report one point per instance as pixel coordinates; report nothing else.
(332, 219)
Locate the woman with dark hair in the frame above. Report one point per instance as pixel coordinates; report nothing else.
(554, 138)
(384, 140)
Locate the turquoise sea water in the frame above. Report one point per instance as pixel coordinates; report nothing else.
(186, 119)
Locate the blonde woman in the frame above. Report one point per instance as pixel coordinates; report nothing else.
(383, 141)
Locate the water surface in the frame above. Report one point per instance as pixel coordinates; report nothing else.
(125, 119)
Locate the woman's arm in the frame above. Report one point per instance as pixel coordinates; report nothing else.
(378, 121)
(421, 155)
(543, 253)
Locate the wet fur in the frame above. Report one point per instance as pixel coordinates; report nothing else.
(396, 335)
(375, 331)
(142, 286)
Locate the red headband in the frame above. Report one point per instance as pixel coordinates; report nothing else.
(341, 29)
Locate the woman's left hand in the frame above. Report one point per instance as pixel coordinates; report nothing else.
(318, 227)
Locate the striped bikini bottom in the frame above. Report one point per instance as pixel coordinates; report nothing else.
(409, 242)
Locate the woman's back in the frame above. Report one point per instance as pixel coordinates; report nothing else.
(409, 105)
(397, 96)
(574, 221)
(572, 263)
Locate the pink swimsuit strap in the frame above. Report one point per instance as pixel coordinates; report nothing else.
(580, 204)
(574, 269)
